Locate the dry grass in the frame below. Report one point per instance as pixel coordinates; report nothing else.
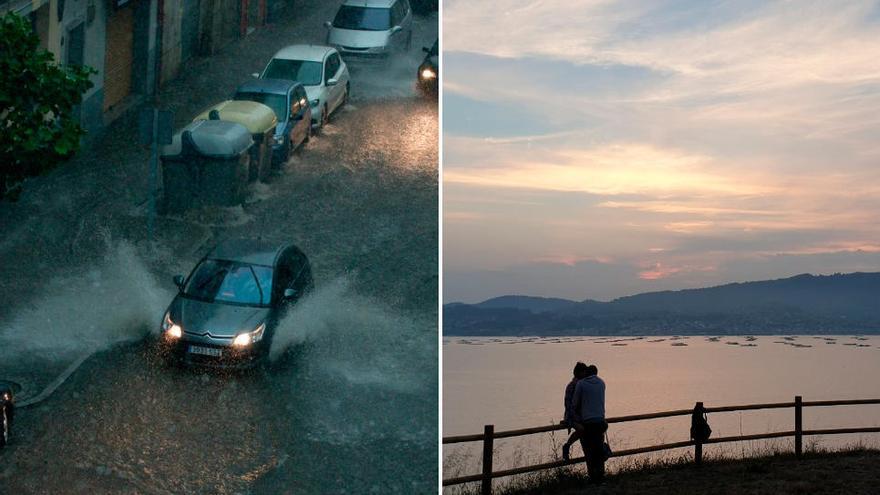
(855, 470)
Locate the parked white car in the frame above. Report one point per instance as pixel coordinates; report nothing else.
(371, 28)
(321, 70)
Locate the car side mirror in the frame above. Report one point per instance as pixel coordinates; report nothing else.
(328, 24)
(332, 81)
(178, 281)
(289, 293)
(255, 75)
(426, 49)
(396, 29)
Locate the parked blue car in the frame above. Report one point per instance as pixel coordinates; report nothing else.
(291, 105)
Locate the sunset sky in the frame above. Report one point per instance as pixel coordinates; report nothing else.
(595, 149)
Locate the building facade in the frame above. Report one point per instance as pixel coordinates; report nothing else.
(115, 37)
(122, 38)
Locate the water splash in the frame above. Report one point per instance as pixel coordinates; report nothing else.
(356, 338)
(362, 371)
(392, 78)
(115, 301)
(259, 191)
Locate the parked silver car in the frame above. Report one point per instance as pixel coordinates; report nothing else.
(320, 69)
(371, 28)
(226, 312)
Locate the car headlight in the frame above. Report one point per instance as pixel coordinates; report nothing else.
(171, 330)
(428, 73)
(6, 396)
(315, 103)
(246, 339)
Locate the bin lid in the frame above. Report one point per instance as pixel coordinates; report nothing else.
(258, 118)
(212, 138)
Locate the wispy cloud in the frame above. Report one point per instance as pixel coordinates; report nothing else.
(674, 137)
(613, 169)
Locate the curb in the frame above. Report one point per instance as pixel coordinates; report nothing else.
(57, 382)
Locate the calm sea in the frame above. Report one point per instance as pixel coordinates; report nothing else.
(519, 382)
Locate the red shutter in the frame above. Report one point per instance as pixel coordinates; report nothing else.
(118, 58)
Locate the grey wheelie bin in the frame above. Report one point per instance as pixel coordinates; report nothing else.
(260, 120)
(206, 164)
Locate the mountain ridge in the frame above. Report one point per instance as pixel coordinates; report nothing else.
(799, 304)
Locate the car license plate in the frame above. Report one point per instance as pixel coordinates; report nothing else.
(205, 351)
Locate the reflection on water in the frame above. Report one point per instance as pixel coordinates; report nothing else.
(519, 382)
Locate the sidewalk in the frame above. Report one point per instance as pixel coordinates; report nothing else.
(59, 229)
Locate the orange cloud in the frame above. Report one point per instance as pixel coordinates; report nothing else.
(657, 272)
(620, 168)
(572, 259)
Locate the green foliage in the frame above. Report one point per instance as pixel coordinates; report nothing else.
(37, 99)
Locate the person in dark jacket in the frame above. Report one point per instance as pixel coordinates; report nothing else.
(589, 407)
(579, 372)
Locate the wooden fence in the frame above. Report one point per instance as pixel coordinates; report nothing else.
(489, 435)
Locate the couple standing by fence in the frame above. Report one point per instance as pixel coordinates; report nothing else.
(585, 414)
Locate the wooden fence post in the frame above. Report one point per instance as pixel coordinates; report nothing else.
(798, 426)
(488, 447)
(698, 444)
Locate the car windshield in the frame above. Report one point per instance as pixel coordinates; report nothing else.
(304, 71)
(230, 282)
(278, 103)
(363, 18)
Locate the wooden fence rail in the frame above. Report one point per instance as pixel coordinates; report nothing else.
(489, 435)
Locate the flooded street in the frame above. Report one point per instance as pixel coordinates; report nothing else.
(348, 403)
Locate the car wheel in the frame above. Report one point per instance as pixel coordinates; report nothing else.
(4, 427)
(346, 94)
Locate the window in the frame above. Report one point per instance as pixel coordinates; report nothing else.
(362, 18)
(331, 66)
(294, 272)
(283, 276)
(230, 282)
(303, 281)
(395, 15)
(334, 58)
(398, 13)
(302, 272)
(295, 104)
(304, 71)
(301, 95)
(277, 103)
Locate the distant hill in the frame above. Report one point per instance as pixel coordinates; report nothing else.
(528, 303)
(801, 304)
